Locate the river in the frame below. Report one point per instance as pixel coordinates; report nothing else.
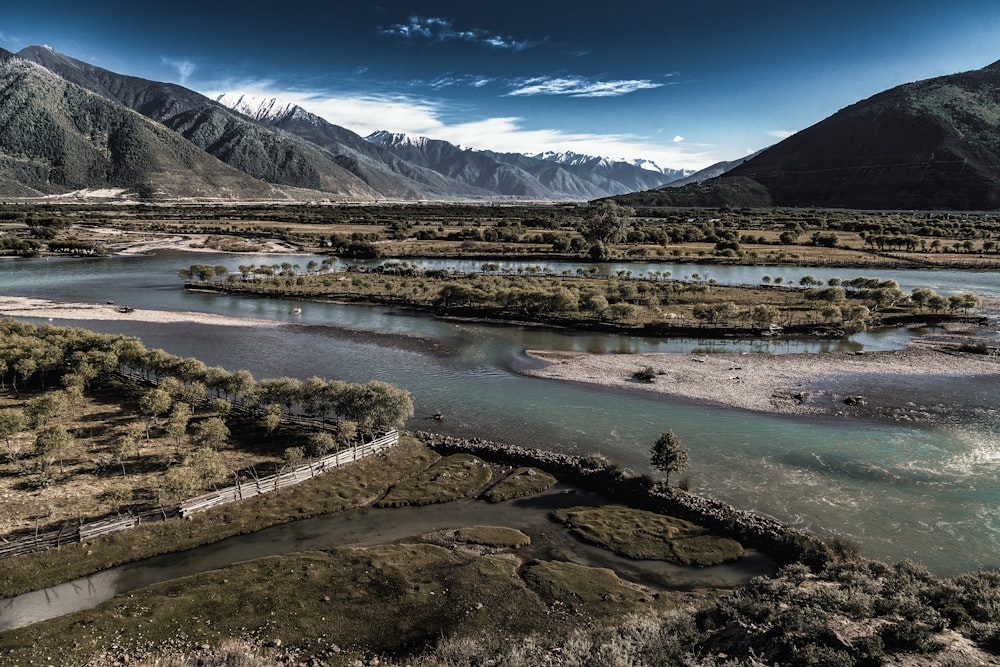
(926, 492)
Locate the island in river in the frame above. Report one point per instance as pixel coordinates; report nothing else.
(828, 383)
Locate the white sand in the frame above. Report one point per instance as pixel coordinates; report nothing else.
(14, 306)
(758, 381)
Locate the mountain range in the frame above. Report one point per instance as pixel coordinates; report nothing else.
(68, 126)
(928, 145)
(273, 149)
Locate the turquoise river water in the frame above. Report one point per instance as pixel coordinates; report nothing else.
(928, 492)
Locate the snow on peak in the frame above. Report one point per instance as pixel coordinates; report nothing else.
(258, 108)
(572, 158)
(386, 138)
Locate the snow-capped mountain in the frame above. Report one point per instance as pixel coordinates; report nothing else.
(284, 145)
(388, 139)
(267, 109)
(593, 162)
(548, 175)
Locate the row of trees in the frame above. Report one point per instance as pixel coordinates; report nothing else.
(186, 404)
(74, 358)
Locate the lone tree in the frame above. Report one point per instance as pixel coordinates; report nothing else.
(668, 454)
(607, 223)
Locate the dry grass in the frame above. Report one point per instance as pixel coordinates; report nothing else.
(394, 598)
(452, 478)
(519, 483)
(39, 495)
(350, 486)
(647, 535)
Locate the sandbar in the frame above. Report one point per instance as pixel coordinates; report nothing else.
(16, 306)
(801, 383)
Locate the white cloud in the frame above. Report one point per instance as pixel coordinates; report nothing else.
(436, 29)
(677, 139)
(185, 68)
(780, 134)
(576, 86)
(367, 114)
(415, 116)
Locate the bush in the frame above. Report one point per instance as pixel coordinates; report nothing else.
(646, 374)
(909, 637)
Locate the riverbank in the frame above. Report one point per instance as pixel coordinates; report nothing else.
(832, 383)
(15, 306)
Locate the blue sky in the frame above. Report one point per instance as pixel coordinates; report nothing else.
(684, 85)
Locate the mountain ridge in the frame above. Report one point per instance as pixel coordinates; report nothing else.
(59, 137)
(245, 145)
(927, 145)
(517, 174)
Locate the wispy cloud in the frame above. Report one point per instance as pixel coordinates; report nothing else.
(436, 29)
(576, 86)
(185, 68)
(365, 114)
(780, 134)
(449, 80)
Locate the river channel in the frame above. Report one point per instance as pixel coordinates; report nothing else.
(369, 526)
(928, 492)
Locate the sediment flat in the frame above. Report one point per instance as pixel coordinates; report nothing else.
(801, 383)
(16, 306)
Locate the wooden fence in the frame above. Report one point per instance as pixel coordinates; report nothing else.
(255, 487)
(248, 489)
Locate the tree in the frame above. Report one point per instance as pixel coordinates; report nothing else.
(763, 315)
(668, 454)
(321, 443)
(377, 406)
(42, 409)
(293, 456)
(607, 223)
(123, 447)
(116, 495)
(153, 404)
(54, 442)
(180, 482)
(921, 296)
(345, 431)
(272, 418)
(12, 422)
(177, 422)
(207, 465)
(211, 433)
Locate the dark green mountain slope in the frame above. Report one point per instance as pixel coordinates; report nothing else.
(260, 152)
(932, 144)
(56, 137)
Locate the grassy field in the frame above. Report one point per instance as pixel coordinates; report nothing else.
(860, 239)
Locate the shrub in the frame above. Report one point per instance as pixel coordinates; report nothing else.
(909, 637)
(646, 374)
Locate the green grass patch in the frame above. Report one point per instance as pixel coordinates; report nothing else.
(596, 591)
(391, 598)
(350, 486)
(452, 478)
(647, 535)
(493, 536)
(522, 482)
